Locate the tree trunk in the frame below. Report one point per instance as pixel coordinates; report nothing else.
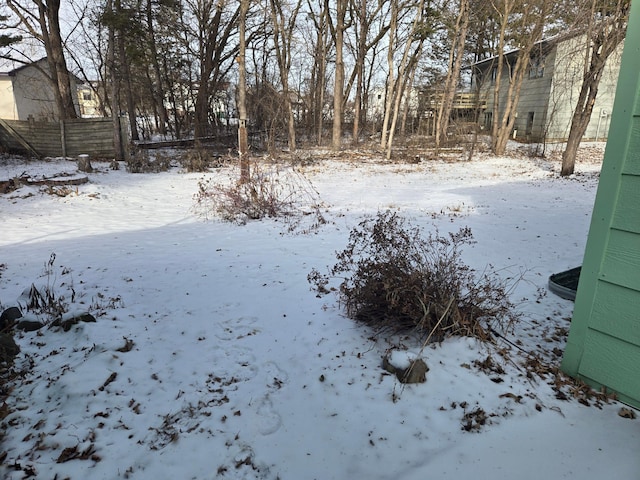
(158, 90)
(602, 41)
(388, 104)
(338, 89)
(407, 64)
(318, 72)
(359, 69)
(533, 17)
(455, 62)
(115, 88)
(242, 96)
(125, 77)
(283, 36)
(498, 78)
(49, 22)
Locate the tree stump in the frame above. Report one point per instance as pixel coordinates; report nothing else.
(84, 165)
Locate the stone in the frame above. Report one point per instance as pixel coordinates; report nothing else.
(8, 348)
(29, 325)
(415, 372)
(69, 321)
(9, 316)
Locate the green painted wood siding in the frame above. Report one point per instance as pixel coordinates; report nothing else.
(604, 342)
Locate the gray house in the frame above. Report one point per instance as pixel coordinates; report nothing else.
(26, 92)
(550, 90)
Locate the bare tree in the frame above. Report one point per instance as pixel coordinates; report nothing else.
(43, 23)
(242, 103)
(157, 86)
(283, 24)
(456, 53)
(527, 20)
(114, 78)
(337, 32)
(318, 76)
(364, 43)
(388, 103)
(210, 27)
(413, 43)
(605, 31)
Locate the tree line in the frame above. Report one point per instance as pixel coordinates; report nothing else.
(308, 67)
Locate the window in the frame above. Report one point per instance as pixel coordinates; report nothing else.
(536, 67)
(494, 74)
(529, 128)
(86, 96)
(488, 120)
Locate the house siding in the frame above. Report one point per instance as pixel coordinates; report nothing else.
(26, 92)
(567, 81)
(7, 104)
(552, 98)
(603, 347)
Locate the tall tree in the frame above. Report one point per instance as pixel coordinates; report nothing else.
(391, 82)
(604, 32)
(366, 39)
(43, 23)
(211, 27)
(114, 78)
(283, 24)
(525, 21)
(242, 102)
(417, 34)
(157, 86)
(337, 32)
(456, 52)
(318, 77)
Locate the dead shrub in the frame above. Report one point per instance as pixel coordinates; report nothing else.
(272, 191)
(394, 279)
(141, 161)
(199, 160)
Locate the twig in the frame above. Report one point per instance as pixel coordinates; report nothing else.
(426, 342)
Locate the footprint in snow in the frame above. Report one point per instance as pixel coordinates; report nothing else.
(270, 420)
(235, 362)
(274, 376)
(236, 328)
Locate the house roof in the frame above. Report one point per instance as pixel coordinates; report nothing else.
(9, 68)
(543, 45)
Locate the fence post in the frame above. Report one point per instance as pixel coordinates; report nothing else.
(63, 138)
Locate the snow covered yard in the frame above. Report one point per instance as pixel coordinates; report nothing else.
(212, 358)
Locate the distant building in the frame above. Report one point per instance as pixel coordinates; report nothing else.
(91, 105)
(26, 92)
(550, 90)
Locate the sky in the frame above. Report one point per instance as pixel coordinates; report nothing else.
(212, 357)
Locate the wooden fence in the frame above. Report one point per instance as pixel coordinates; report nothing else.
(68, 138)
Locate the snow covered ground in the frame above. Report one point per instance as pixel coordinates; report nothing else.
(212, 358)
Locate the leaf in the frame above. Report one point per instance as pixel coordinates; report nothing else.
(128, 345)
(627, 413)
(111, 378)
(72, 453)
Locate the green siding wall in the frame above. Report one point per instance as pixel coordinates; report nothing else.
(604, 341)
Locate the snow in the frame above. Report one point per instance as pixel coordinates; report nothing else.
(212, 358)
(401, 359)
